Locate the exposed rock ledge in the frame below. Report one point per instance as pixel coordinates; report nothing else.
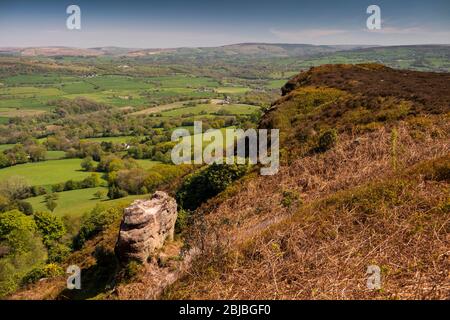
(145, 226)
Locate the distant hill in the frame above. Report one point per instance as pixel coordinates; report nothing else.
(259, 50)
(65, 51)
(255, 50)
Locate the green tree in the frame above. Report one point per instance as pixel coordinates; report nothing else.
(50, 226)
(88, 164)
(15, 188)
(36, 152)
(206, 183)
(99, 194)
(24, 249)
(50, 201)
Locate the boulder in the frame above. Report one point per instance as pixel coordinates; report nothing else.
(145, 226)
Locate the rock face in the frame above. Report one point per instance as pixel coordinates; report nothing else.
(145, 226)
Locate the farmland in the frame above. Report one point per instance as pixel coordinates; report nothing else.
(47, 172)
(82, 137)
(76, 202)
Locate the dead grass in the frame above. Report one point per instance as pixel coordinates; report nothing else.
(323, 250)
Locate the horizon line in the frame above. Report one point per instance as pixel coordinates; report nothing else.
(230, 44)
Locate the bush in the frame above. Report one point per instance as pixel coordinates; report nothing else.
(207, 183)
(50, 226)
(48, 271)
(115, 192)
(96, 221)
(289, 198)
(57, 252)
(25, 207)
(88, 164)
(327, 140)
(59, 187)
(131, 270)
(15, 188)
(182, 220)
(15, 220)
(24, 249)
(92, 181)
(38, 191)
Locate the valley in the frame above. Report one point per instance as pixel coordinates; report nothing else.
(364, 146)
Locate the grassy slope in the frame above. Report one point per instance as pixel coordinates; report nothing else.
(47, 172)
(75, 203)
(380, 196)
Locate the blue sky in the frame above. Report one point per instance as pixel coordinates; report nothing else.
(176, 23)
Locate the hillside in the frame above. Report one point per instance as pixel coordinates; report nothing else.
(364, 181)
(378, 195)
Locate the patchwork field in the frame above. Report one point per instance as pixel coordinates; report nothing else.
(24, 95)
(77, 202)
(234, 90)
(234, 109)
(17, 112)
(47, 172)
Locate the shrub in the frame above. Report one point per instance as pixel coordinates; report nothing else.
(182, 220)
(327, 140)
(437, 169)
(115, 192)
(92, 181)
(131, 270)
(96, 221)
(25, 207)
(99, 194)
(207, 183)
(70, 185)
(289, 198)
(15, 188)
(59, 187)
(48, 271)
(57, 252)
(15, 220)
(25, 250)
(38, 191)
(50, 226)
(88, 164)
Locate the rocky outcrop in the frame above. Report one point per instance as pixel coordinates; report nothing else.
(145, 226)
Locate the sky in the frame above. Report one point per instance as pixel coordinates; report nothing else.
(198, 23)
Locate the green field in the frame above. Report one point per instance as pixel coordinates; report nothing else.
(234, 109)
(47, 172)
(55, 155)
(122, 139)
(77, 202)
(147, 164)
(33, 92)
(4, 147)
(232, 90)
(276, 84)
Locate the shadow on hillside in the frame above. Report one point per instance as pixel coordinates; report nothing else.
(97, 279)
